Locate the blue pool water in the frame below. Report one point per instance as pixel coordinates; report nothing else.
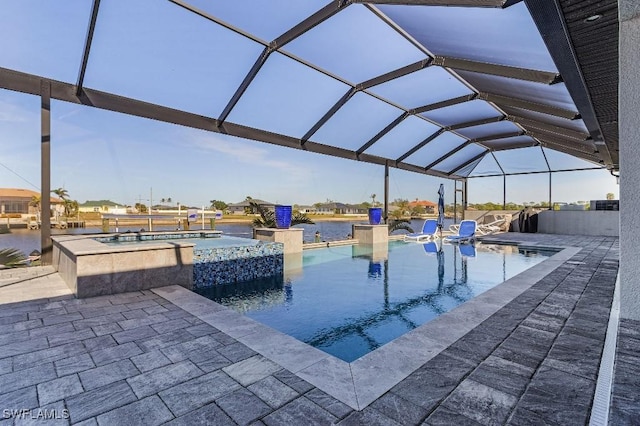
(200, 243)
(348, 300)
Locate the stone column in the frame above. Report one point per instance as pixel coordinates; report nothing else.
(371, 234)
(629, 125)
(291, 238)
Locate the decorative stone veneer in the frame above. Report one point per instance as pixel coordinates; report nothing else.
(223, 265)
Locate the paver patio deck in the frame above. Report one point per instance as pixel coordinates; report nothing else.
(138, 358)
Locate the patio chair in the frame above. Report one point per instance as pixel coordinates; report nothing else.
(466, 233)
(429, 229)
(491, 227)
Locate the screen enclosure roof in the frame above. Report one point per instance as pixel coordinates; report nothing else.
(451, 88)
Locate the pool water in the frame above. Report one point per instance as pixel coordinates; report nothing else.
(350, 300)
(200, 243)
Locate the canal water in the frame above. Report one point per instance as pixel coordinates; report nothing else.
(27, 240)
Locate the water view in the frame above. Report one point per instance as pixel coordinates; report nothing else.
(27, 240)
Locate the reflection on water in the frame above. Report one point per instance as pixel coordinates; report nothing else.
(251, 295)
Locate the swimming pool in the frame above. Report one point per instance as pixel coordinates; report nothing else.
(350, 300)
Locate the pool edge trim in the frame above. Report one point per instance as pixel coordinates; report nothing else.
(361, 382)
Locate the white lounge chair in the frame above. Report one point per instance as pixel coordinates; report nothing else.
(466, 233)
(429, 232)
(483, 228)
(491, 227)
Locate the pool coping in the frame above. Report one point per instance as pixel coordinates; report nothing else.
(364, 380)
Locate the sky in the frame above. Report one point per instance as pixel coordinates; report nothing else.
(166, 55)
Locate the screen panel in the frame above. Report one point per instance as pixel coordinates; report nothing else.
(356, 45)
(499, 36)
(435, 149)
(555, 95)
(410, 132)
(163, 54)
(467, 170)
(486, 166)
(20, 140)
(424, 87)
(356, 122)
(460, 113)
(510, 143)
(561, 161)
(286, 97)
(249, 15)
(45, 38)
(459, 158)
(489, 129)
(575, 125)
(522, 160)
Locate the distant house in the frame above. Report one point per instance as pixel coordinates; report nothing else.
(102, 206)
(18, 201)
(429, 206)
(340, 208)
(243, 206)
(307, 209)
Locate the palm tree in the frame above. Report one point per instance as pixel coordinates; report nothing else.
(267, 217)
(70, 207)
(11, 258)
(35, 202)
(403, 206)
(62, 193)
(397, 224)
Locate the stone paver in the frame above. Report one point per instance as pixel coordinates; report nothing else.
(100, 376)
(198, 392)
(273, 391)
(147, 411)
(162, 378)
(58, 389)
(100, 400)
(137, 358)
(243, 406)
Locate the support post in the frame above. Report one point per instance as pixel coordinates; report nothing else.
(464, 197)
(504, 192)
(45, 173)
(550, 206)
(386, 192)
(455, 201)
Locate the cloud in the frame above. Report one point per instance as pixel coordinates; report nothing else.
(68, 114)
(13, 113)
(247, 152)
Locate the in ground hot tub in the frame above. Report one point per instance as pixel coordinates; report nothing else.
(94, 265)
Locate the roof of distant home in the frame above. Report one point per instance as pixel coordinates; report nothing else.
(99, 203)
(422, 203)
(247, 203)
(338, 206)
(23, 193)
